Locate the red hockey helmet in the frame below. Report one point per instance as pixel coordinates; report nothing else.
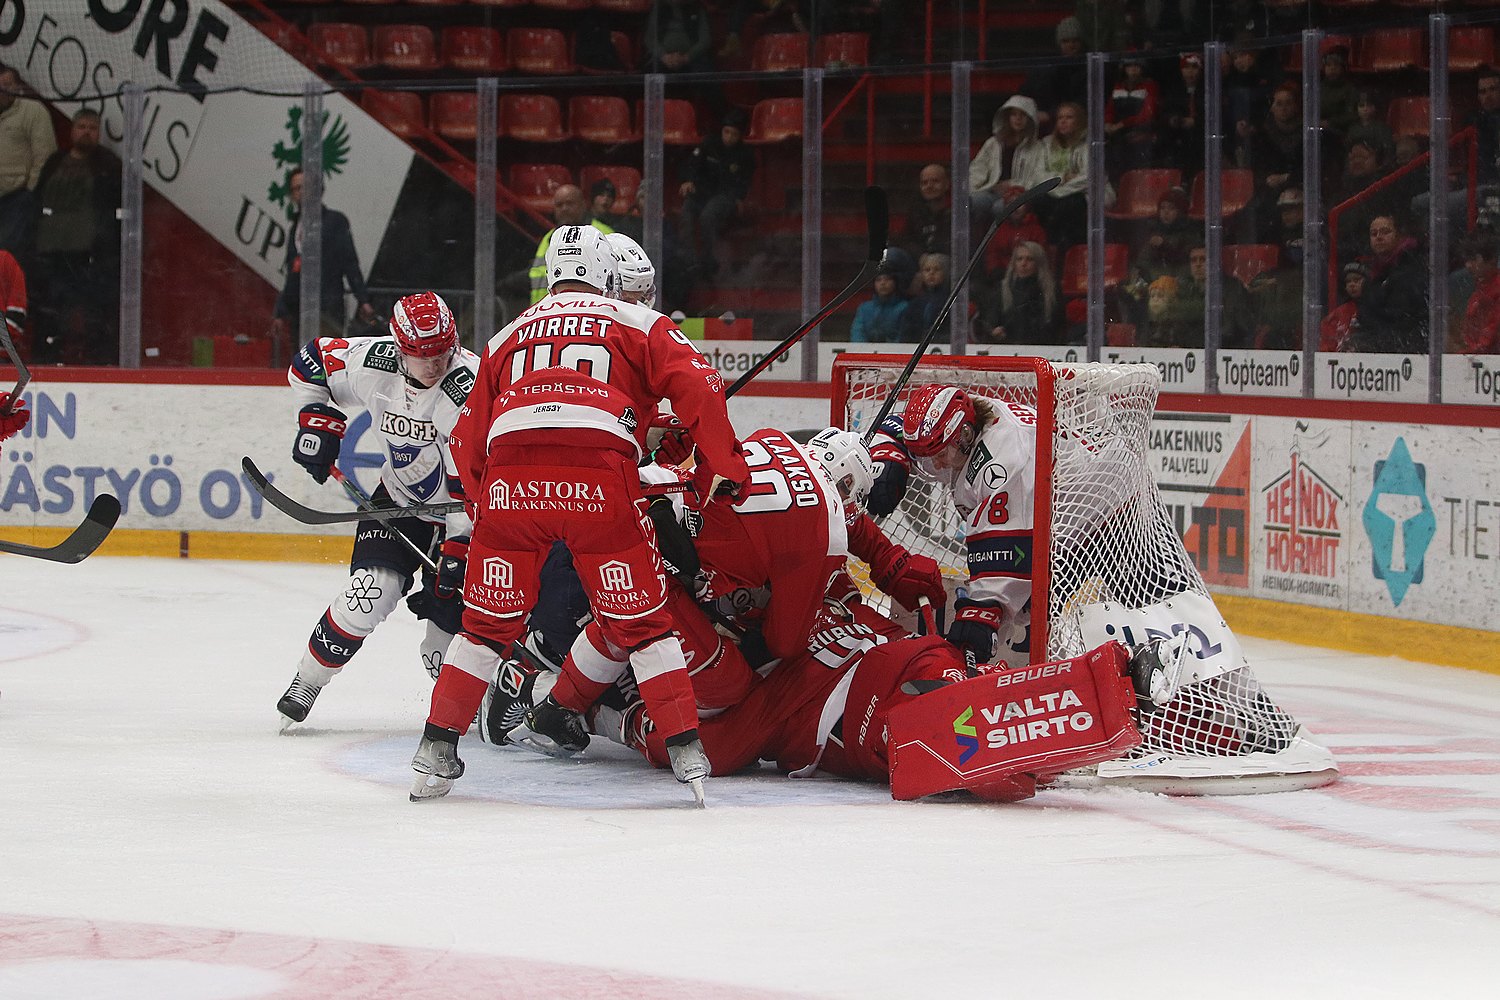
(935, 416)
(423, 325)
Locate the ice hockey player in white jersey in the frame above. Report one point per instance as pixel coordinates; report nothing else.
(984, 450)
(636, 273)
(412, 383)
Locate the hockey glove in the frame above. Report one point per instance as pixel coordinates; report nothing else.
(10, 423)
(320, 432)
(450, 568)
(668, 439)
(892, 468)
(974, 626)
(911, 576)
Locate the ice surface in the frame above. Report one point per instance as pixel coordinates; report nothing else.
(159, 839)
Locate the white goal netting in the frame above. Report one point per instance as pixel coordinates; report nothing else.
(1108, 562)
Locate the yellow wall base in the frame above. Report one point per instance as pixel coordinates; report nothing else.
(203, 544)
(1375, 635)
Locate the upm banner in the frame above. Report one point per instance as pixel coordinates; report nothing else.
(223, 158)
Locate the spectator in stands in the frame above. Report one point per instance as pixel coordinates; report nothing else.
(1026, 310)
(1167, 324)
(1273, 150)
(1103, 25)
(1337, 328)
(1290, 230)
(933, 278)
(1486, 123)
(1338, 101)
(1063, 79)
(1237, 325)
(1246, 89)
(1362, 168)
(340, 265)
(1181, 137)
(879, 321)
(1276, 303)
(929, 223)
(568, 209)
(993, 171)
(1130, 112)
(1164, 250)
(1370, 127)
(1481, 325)
(677, 38)
(1064, 211)
(76, 280)
(602, 196)
(26, 140)
(718, 184)
(1021, 227)
(1392, 315)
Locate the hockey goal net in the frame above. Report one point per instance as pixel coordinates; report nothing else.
(1107, 563)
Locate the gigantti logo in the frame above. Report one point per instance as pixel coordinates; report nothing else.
(1399, 521)
(1303, 524)
(965, 735)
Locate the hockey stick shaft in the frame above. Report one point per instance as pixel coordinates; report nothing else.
(364, 502)
(877, 223)
(78, 546)
(23, 373)
(1015, 205)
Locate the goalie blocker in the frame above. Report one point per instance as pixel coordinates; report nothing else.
(998, 734)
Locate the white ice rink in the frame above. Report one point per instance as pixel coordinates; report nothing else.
(158, 839)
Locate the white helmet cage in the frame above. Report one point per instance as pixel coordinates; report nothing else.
(843, 455)
(636, 272)
(579, 253)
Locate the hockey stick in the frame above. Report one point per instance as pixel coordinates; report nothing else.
(1001, 214)
(377, 512)
(78, 546)
(364, 502)
(24, 372)
(877, 224)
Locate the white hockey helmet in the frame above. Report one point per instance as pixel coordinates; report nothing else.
(579, 253)
(636, 272)
(843, 455)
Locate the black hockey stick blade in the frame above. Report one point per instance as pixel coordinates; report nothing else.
(877, 223)
(310, 515)
(1001, 214)
(78, 546)
(23, 373)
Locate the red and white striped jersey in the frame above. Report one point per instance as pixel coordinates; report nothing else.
(994, 495)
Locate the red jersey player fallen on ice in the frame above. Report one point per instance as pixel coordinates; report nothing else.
(412, 384)
(548, 446)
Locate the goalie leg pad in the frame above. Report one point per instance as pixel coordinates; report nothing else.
(1037, 720)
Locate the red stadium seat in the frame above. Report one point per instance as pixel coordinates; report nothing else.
(1120, 335)
(844, 49)
(539, 51)
(436, 3)
(1246, 260)
(345, 46)
(624, 6)
(474, 50)
(398, 110)
(1410, 116)
(405, 46)
(627, 182)
(563, 4)
(534, 183)
(1075, 280)
(532, 118)
(775, 119)
(679, 122)
(773, 53)
(1389, 50)
(455, 115)
(1237, 187)
(502, 3)
(1141, 190)
(1470, 47)
(286, 35)
(600, 119)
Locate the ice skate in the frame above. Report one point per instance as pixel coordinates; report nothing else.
(297, 702)
(437, 764)
(690, 766)
(552, 730)
(1156, 670)
(506, 702)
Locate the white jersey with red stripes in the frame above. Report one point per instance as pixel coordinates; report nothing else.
(413, 425)
(995, 495)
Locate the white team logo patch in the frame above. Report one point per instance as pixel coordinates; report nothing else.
(615, 575)
(498, 573)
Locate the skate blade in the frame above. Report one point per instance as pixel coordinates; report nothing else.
(430, 786)
(696, 784)
(542, 745)
(284, 723)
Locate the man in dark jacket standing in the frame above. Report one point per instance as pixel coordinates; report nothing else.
(340, 265)
(718, 184)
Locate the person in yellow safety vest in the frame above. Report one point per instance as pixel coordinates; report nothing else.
(569, 208)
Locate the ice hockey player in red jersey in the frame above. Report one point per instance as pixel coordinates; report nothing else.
(547, 447)
(412, 383)
(11, 421)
